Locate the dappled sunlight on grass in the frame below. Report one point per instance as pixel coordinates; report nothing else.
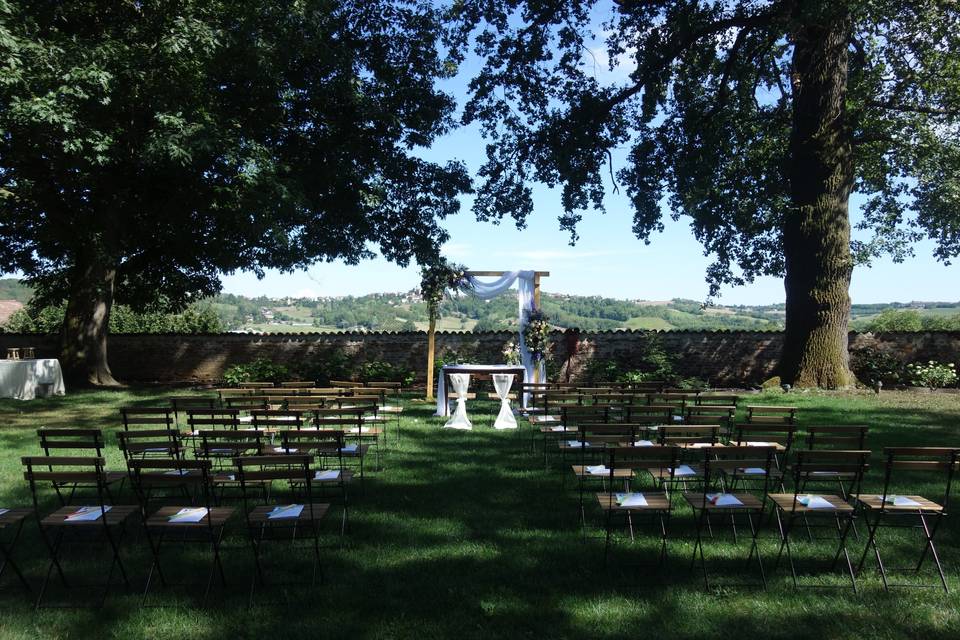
(467, 535)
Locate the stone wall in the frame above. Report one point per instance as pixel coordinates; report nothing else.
(722, 358)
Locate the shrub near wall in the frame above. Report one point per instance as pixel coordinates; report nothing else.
(721, 358)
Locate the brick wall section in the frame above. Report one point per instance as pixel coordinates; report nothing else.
(720, 357)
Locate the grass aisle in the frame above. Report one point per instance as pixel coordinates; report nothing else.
(466, 535)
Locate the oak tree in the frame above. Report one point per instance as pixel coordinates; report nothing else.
(148, 146)
(756, 119)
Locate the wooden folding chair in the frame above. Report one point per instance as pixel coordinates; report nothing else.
(221, 447)
(767, 414)
(720, 464)
(255, 385)
(330, 473)
(711, 414)
(150, 443)
(590, 445)
(688, 439)
(628, 504)
(193, 520)
(298, 385)
(649, 414)
(571, 417)
(889, 506)
(11, 526)
(233, 392)
(359, 420)
(827, 436)
(245, 404)
(778, 436)
(134, 418)
(791, 508)
(92, 521)
(212, 420)
(351, 424)
(289, 522)
(677, 399)
(182, 404)
(209, 420)
(276, 421)
(722, 399)
(79, 442)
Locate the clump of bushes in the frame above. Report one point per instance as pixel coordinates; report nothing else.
(331, 365)
(932, 374)
(871, 365)
(260, 370)
(378, 370)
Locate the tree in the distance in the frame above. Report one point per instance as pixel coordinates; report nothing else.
(147, 147)
(755, 118)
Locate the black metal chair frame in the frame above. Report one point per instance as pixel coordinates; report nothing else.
(151, 473)
(807, 462)
(924, 459)
(85, 470)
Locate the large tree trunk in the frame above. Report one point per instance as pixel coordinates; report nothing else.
(85, 323)
(816, 234)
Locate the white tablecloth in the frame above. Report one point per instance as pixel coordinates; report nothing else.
(19, 378)
(442, 408)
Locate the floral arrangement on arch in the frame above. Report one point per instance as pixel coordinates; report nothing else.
(437, 278)
(511, 353)
(536, 334)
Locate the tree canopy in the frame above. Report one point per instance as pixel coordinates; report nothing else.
(755, 119)
(147, 147)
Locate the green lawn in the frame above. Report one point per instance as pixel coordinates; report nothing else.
(466, 535)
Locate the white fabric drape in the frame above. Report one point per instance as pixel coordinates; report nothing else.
(20, 378)
(459, 419)
(487, 290)
(505, 419)
(443, 408)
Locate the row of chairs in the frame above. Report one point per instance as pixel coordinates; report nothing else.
(722, 480)
(177, 501)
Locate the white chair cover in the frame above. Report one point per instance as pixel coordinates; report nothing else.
(505, 419)
(459, 420)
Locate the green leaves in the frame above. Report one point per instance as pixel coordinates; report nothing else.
(179, 144)
(706, 111)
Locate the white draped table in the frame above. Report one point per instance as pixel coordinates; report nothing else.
(20, 378)
(502, 384)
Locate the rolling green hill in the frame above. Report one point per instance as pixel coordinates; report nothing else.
(406, 312)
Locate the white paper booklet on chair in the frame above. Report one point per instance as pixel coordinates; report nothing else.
(331, 474)
(814, 502)
(598, 470)
(631, 500)
(724, 500)
(87, 514)
(902, 501)
(188, 514)
(286, 511)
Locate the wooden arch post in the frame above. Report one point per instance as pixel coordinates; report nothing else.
(432, 328)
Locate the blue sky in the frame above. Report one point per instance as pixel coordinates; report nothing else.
(607, 260)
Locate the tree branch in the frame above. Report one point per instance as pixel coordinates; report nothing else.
(684, 40)
(890, 105)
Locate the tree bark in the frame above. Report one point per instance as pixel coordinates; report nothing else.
(431, 353)
(816, 232)
(86, 322)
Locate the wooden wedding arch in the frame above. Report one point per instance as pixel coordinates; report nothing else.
(432, 329)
